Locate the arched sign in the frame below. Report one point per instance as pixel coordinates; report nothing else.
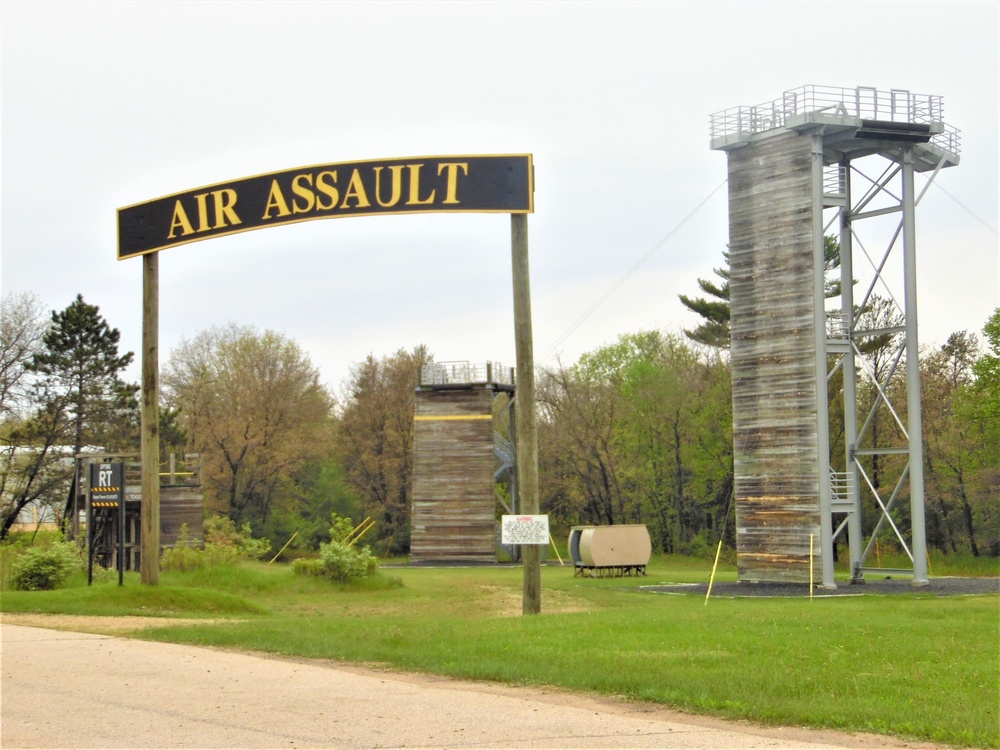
(482, 184)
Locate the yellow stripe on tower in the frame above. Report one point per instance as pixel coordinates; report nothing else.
(454, 418)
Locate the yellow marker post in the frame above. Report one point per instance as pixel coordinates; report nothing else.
(370, 524)
(356, 529)
(283, 548)
(711, 578)
(811, 536)
(556, 550)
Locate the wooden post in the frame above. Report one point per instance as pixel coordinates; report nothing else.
(150, 440)
(527, 433)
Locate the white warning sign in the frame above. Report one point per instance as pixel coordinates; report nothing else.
(525, 530)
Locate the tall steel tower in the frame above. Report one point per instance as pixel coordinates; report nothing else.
(822, 161)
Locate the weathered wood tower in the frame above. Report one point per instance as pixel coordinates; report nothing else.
(792, 162)
(460, 452)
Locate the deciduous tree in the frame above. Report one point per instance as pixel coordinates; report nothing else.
(949, 445)
(22, 327)
(33, 469)
(639, 431)
(61, 390)
(253, 406)
(979, 409)
(375, 439)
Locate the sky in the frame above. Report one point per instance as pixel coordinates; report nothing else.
(109, 104)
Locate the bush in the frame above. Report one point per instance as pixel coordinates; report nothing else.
(44, 568)
(220, 531)
(254, 549)
(342, 562)
(223, 545)
(307, 566)
(339, 560)
(182, 557)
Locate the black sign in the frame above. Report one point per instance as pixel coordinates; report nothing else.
(107, 490)
(106, 487)
(482, 184)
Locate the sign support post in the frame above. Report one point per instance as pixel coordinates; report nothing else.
(121, 527)
(90, 538)
(149, 548)
(527, 432)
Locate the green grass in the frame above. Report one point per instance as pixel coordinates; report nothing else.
(912, 665)
(108, 599)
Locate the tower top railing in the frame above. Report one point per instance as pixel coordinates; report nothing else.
(860, 102)
(459, 373)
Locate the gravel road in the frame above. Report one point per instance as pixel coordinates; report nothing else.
(65, 689)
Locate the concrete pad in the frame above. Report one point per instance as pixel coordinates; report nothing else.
(75, 690)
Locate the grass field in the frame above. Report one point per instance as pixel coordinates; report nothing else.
(910, 665)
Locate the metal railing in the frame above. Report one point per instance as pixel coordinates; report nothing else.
(841, 487)
(836, 326)
(181, 470)
(864, 102)
(448, 373)
(835, 180)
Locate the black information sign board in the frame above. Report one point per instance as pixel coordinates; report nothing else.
(479, 184)
(107, 493)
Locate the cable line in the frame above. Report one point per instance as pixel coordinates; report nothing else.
(579, 321)
(971, 213)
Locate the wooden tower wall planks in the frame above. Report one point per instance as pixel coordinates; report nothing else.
(181, 506)
(453, 515)
(773, 358)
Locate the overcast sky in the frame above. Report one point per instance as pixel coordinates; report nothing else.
(111, 104)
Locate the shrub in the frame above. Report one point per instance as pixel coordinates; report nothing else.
(339, 560)
(44, 568)
(182, 557)
(223, 545)
(9, 552)
(254, 549)
(307, 566)
(220, 531)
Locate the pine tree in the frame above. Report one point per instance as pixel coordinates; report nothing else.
(715, 330)
(80, 360)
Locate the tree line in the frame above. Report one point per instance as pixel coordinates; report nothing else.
(60, 391)
(635, 431)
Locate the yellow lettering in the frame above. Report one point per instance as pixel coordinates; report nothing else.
(356, 190)
(397, 186)
(451, 193)
(415, 187)
(276, 200)
(180, 221)
(328, 189)
(304, 192)
(225, 207)
(202, 212)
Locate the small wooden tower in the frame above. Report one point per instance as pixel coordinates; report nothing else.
(181, 499)
(458, 456)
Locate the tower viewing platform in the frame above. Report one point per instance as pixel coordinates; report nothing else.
(854, 122)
